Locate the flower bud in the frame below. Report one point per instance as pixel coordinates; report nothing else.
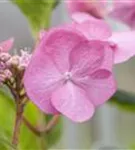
(13, 61)
(24, 59)
(7, 74)
(2, 78)
(2, 65)
(5, 57)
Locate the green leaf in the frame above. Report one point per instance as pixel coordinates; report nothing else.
(33, 114)
(38, 12)
(124, 100)
(6, 113)
(4, 142)
(6, 120)
(55, 134)
(28, 139)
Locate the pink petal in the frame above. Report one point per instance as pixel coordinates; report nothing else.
(121, 3)
(60, 43)
(125, 14)
(108, 60)
(124, 11)
(41, 79)
(92, 28)
(5, 46)
(86, 57)
(99, 88)
(100, 74)
(75, 6)
(80, 17)
(94, 8)
(125, 42)
(72, 102)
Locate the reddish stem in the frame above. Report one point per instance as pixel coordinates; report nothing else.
(17, 126)
(46, 129)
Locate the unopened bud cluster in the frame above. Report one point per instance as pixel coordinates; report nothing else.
(8, 63)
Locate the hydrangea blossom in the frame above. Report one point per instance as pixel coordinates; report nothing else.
(124, 11)
(69, 74)
(122, 43)
(95, 8)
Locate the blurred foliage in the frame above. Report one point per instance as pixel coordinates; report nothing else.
(132, 147)
(124, 100)
(54, 135)
(28, 140)
(37, 12)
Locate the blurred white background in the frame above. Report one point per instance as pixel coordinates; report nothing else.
(109, 126)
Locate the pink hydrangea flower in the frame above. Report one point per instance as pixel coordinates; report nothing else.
(70, 75)
(95, 8)
(122, 43)
(5, 46)
(124, 11)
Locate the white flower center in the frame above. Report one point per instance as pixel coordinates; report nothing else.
(68, 75)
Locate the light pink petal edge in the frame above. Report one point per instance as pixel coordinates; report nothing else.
(92, 28)
(101, 90)
(125, 45)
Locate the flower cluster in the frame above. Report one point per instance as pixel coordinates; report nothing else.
(5, 73)
(8, 62)
(71, 69)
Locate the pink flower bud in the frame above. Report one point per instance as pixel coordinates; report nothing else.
(2, 65)
(5, 56)
(2, 78)
(24, 58)
(13, 61)
(7, 74)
